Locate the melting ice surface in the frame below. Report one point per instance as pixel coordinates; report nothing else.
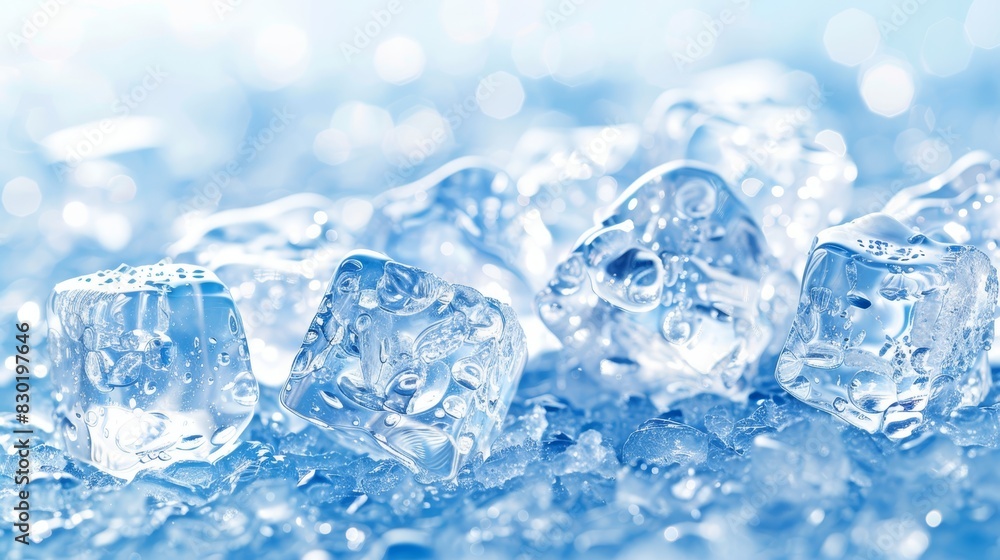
(891, 327)
(400, 360)
(151, 367)
(675, 291)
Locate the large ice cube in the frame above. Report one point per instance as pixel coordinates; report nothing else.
(150, 366)
(887, 320)
(961, 205)
(399, 360)
(756, 124)
(675, 291)
(276, 258)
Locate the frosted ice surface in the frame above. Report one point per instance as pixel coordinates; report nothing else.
(888, 320)
(961, 205)
(276, 258)
(674, 293)
(398, 360)
(756, 125)
(151, 367)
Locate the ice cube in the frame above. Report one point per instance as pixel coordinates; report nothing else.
(763, 137)
(887, 320)
(276, 258)
(674, 293)
(150, 366)
(465, 222)
(399, 360)
(961, 205)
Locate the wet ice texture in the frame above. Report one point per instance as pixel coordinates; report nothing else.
(889, 323)
(962, 205)
(399, 360)
(276, 258)
(674, 291)
(763, 139)
(151, 367)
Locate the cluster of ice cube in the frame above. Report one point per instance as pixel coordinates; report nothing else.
(686, 394)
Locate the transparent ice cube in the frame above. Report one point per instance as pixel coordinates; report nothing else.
(399, 360)
(887, 320)
(674, 293)
(150, 365)
(961, 205)
(762, 137)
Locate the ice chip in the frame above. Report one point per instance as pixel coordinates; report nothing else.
(961, 205)
(417, 367)
(887, 321)
(674, 293)
(151, 367)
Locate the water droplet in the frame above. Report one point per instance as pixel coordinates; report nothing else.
(468, 373)
(224, 359)
(223, 435)
(331, 399)
(871, 392)
(839, 404)
(245, 390)
(455, 406)
(90, 418)
(69, 429)
(190, 442)
(147, 432)
(391, 419)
